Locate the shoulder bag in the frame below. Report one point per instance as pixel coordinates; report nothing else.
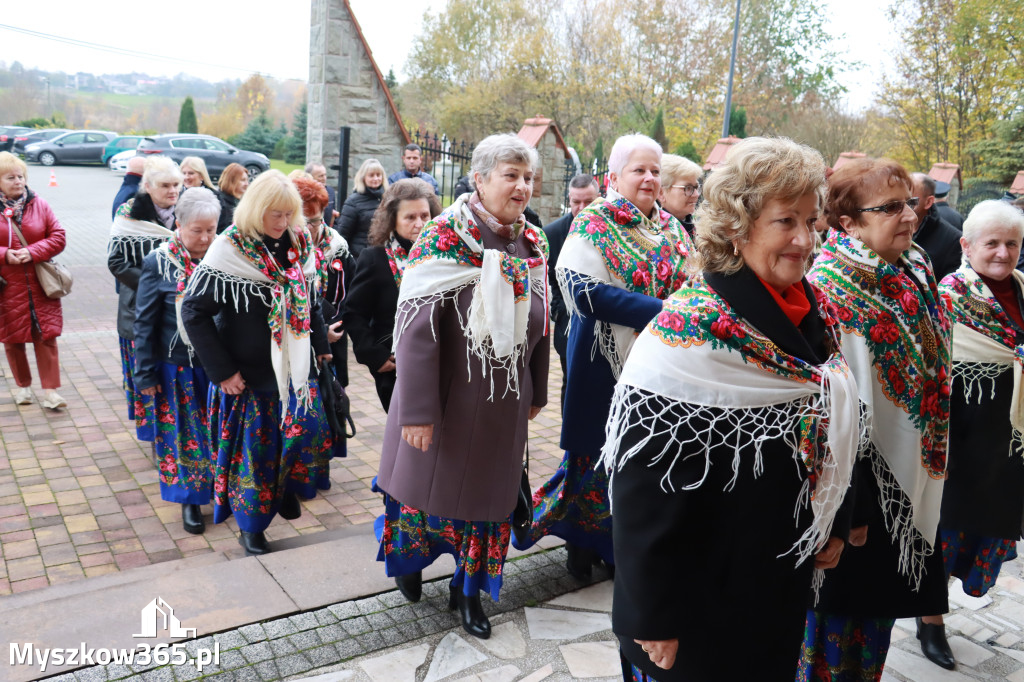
(54, 278)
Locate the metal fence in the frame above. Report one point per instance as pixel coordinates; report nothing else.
(447, 160)
(975, 193)
(598, 169)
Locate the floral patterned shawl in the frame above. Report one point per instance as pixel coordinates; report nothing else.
(398, 258)
(329, 246)
(896, 337)
(175, 265)
(237, 268)
(984, 341)
(698, 361)
(448, 256)
(612, 242)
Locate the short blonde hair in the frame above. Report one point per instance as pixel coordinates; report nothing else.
(9, 162)
(756, 170)
(299, 173)
(199, 166)
(159, 169)
(369, 166)
(675, 168)
(270, 191)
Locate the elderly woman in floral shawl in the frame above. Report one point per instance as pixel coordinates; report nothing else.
(623, 256)
(471, 355)
(983, 501)
(252, 312)
(896, 337)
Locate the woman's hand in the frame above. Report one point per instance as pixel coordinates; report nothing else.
(828, 557)
(388, 366)
(152, 390)
(534, 411)
(418, 436)
(326, 357)
(858, 536)
(662, 653)
(233, 385)
(334, 332)
(17, 256)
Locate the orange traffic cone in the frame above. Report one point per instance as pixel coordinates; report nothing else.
(53, 178)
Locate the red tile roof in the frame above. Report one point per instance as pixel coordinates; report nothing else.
(535, 128)
(946, 172)
(1018, 184)
(718, 152)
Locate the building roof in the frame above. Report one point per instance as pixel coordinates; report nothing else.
(1018, 184)
(535, 128)
(377, 73)
(845, 158)
(718, 152)
(947, 172)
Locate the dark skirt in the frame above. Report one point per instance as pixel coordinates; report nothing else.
(975, 560)
(183, 435)
(573, 505)
(140, 407)
(631, 673)
(410, 540)
(259, 458)
(843, 649)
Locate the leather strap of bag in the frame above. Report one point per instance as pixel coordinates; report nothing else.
(21, 237)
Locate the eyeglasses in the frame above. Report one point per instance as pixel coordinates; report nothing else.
(893, 207)
(314, 222)
(688, 190)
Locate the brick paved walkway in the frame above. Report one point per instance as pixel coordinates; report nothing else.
(79, 495)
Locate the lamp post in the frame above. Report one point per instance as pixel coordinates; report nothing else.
(732, 70)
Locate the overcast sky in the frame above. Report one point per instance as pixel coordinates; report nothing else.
(220, 39)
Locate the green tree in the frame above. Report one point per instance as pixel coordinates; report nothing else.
(599, 150)
(259, 135)
(688, 151)
(295, 147)
(657, 130)
(34, 123)
(998, 158)
(187, 122)
(738, 122)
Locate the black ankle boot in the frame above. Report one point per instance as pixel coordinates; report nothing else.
(192, 519)
(290, 508)
(253, 543)
(410, 585)
(934, 645)
(579, 562)
(472, 613)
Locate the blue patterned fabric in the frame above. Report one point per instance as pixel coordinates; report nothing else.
(844, 649)
(183, 435)
(975, 559)
(140, 407)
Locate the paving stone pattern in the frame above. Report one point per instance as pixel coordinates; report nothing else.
(79, 495)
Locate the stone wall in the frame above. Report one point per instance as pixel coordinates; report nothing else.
(347, 89)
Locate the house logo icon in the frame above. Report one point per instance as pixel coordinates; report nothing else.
(151, 616)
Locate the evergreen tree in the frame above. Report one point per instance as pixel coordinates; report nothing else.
(295, 147)
(687, 150)
(599, 151)
(738, 122)
(187, 122)
(657, 129)
(259, 136)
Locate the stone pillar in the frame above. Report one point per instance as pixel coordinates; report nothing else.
(549, 182)
(347, 89)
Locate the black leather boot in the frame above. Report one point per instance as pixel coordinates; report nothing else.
(192, 519)
(934, 645)
(410, 585)
(290, 508)
(474, 621)
(579, 561)
(253, 543)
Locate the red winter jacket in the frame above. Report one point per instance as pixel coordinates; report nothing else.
(23, 294)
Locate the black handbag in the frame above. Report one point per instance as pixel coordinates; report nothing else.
(522, 515)
(336, 403)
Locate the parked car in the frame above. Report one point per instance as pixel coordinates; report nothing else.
(119, 162)
(119, 144)
(216, 153)
(7, 134)
(77, 146)
(22, 140)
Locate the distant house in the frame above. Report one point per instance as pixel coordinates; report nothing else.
(717, 154)
(948, 172)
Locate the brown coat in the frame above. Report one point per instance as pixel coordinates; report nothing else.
(472, 469)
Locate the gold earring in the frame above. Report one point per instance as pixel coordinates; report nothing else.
(735, 251)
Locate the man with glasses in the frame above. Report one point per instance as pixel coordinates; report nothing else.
(937, 237)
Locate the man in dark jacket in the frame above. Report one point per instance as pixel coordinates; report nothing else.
(582, 191)
(947, 212)
(412, 162)
(319, 173)
(130, 186)
(937, 237)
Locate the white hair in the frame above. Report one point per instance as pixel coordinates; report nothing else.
(159, 169)
(989, 214)
(197, 203)
(501, 148)
(624, 148)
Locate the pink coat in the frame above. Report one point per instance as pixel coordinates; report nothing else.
(23, 293)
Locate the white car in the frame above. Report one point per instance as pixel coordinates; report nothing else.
(119, 162)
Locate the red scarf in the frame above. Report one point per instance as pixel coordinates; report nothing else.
(793, 301)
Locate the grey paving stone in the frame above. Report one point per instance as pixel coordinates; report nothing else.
(232, 659)
(95, 674)
(186, 672)
(370, 605)
(356, 626)
(349, 648)
(116, 671)
(325, 617)
(379, 621)
(282, 647)
(66, 677)
(248, 674)
(323, 656)
(402, 614)
(164, 674)
(305, 640)
(371, 641)
(332, 633)
(344, 610)
(281, 627)
(424, 609)
(192, 646)
(253, 633)
(293, 665)
(401, 634)
(256, 652)
(231, 639)
(304, 621)
(392, 599)
(267, 670)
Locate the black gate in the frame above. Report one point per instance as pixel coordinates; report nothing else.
(447, 160)
(598, 169)
(975, 193)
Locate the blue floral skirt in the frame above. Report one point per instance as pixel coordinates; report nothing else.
(975, 559)
(183, 435)
(574, 506)
(258, 458)
(844, 649)
(410, 540)
(140, 407)
(631, 673)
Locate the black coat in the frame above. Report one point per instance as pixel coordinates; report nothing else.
(556, 232)
(341, 270)
(230, 339)
(126, 266)
(156, 325)
(370, 315)
(703, 565)
(950, 215)
(228, 204)
(355, 218)
(129, 188)
(941, 241)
